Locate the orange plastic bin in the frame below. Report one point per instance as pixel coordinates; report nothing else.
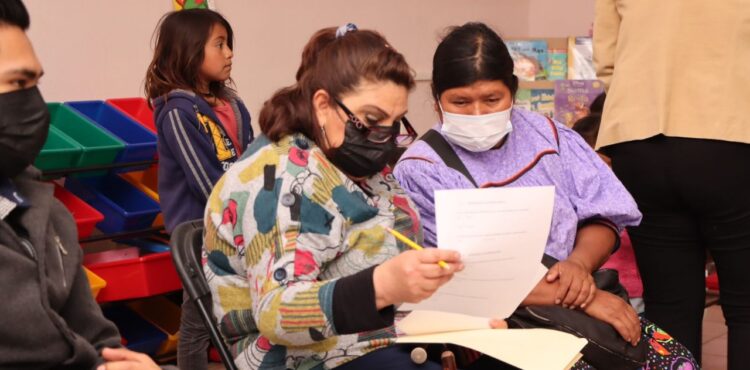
(147, 182)
(95, 282)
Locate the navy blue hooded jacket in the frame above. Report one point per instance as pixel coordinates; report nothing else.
(194, 152)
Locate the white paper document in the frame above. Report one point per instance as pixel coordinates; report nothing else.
(501, 234)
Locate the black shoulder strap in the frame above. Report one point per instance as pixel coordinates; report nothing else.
(443, 149)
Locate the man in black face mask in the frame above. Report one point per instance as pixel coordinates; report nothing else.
(48, 318)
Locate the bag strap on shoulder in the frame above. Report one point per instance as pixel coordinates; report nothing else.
(446, 153)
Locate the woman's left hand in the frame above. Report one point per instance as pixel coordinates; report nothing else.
(498, 324)
(576, 288)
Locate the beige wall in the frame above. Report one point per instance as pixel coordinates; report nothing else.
(560, 18)
(98, 49)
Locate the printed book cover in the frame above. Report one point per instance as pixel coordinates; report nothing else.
(530, 59)
(573, 98)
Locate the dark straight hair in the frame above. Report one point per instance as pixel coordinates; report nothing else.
(470, 53)
(179, 52)
(13, 13)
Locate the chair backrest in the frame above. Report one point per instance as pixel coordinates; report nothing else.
(187, 244)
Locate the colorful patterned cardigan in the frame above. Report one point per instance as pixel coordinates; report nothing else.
(290, 247)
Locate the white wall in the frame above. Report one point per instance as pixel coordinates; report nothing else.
(100, 49)
(93, 49)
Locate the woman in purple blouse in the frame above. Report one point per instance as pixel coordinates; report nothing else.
(499, 145)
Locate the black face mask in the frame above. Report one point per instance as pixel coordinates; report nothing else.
(360, 157)
(24, 124)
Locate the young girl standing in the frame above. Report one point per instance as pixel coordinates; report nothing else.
(202, 129)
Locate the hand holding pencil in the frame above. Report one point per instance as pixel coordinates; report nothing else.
(413, 245)
(413, 275)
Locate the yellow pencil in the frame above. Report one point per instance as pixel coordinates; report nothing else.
(413, 245)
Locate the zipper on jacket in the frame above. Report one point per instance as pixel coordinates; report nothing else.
(233, 104)
(198, 115)
(60, 252)
(29, 248)
(204, 125)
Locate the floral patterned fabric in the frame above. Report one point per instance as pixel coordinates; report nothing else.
(664, 352)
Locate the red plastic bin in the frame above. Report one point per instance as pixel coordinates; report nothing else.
(86, 216)
(712, 281)
(148, 275)
(137, 109)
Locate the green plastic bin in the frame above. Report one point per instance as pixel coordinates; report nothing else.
(98, 146)
(58, 152)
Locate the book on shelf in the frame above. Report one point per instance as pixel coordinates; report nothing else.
(580, 59)
(523, 99)
(573, 98)
(543, 101)
(530, 59)
(558, 64)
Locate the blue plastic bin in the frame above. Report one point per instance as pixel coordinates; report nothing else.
(140, 143)
(124, 207)
(146, 245)
(140, 335)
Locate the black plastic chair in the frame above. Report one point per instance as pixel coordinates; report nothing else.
(187, 241)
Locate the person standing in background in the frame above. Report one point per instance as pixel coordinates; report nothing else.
(676, 127)
(622, 260)
(202, 128)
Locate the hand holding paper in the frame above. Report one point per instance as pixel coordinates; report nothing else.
(501, 234)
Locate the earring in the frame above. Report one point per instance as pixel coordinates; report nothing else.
(325, 136)
(322, 128)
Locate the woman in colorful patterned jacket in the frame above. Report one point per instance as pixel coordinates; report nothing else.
(301, 267)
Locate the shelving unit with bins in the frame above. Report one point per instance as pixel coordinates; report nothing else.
(92, 155)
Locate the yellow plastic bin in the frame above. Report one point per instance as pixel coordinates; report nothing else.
(96, 283)
(163, 314)
(146, 182)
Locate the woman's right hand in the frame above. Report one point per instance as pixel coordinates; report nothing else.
(615, 311)
(413, 275)
(125, 359)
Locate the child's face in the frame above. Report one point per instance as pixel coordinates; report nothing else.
(217, 56)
